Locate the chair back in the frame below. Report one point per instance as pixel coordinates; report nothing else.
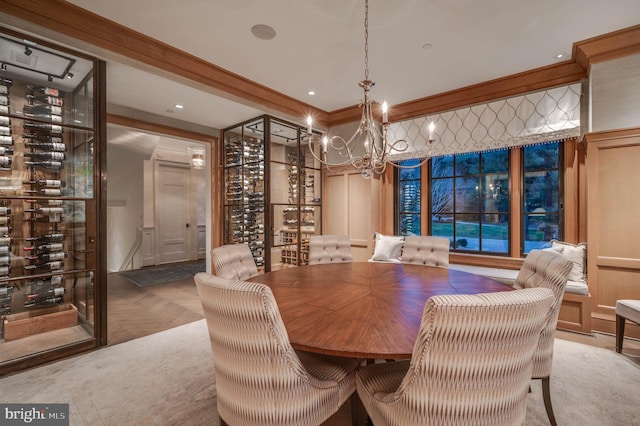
(234, 262)
(426, 250)
(329, 249)
(259, 377)
(547, 269)
(472, 360)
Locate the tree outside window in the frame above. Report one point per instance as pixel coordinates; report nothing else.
(408, 199)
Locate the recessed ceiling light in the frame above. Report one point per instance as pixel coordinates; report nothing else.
(427, 46)
(263, 32)
(559, 55)
(311, 92)
(179, 106)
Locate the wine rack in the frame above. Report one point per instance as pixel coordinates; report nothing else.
(48, 219)
(271, 191)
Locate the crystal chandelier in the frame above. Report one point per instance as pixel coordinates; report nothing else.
(368, 149)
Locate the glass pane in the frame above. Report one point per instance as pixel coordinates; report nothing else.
(442, 225)
(495, 233)
(410, 197)
(311, 190)
(233, 147)
(307, 157)
(442, 166)
(467, 194)
(541, 157)
(467, 232)
(286, 177)
(495, 161)
(541, 191)
(409, 224)
(495, 193)
(442, 196)
(467, 164)
(539, 229)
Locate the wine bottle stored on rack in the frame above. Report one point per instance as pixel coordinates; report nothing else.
(6, 140)
(5, 162)
(46, 302)
(50, 203)
(44, 293)
(47, 165)
(47, 155)
(39, 284)
(5, 271)
(39, 138)
(52, 129)
(6, 290)
(46, 210)
(55, 265)
(47, 146)
(44, 90)
(5, 230)
(49, 247)
(49, 192)
(41, 239)
(47, 257)
(42, 109)
(6, 151)
(49, 100)
(50, 117)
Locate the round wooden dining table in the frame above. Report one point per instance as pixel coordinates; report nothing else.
(363, 309)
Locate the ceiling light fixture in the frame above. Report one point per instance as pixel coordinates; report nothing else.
(69, 75)
(179, 106)
(27, 51)
(3, 67)
(368, 149)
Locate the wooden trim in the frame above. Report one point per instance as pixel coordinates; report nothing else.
(575, 313)
(571, 191)
(486, 261)
(74, 21)
(611, 134)
(160, 128)
(515, 202)
(617, 44)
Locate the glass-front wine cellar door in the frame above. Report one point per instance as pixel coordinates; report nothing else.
(272, 198)
(49, 214)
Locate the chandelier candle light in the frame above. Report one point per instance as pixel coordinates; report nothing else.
(368, 149)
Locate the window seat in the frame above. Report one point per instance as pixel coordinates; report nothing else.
(575, 312)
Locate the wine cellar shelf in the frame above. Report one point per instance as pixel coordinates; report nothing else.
(48, 228)
(272, 194)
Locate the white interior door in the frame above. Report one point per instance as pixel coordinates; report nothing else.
(172, 212)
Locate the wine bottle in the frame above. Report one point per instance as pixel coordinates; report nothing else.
(50, 203)
(39, 138)
(49, 146)
(53, 155)
(46, 210)
(42, 109)
(5, 249)
(4, 109)
(53, 129)
(6, 151)
(51, 117)
(6, 290)
(5, 270)
(5, 310)
(46, 302)
(5, 210)
(5, 130)
(5, 220)
(4, 100)
(6, 240)
(50, 266)
(5, 121)
(6, 140)
(50, 247)
(49, 192)
(53, 281)
(4, 90)
(5, 162)
(54, 237)
(5, 260)
(50, 100)
(5, 230)
(50, 292)
(50, 165)
(47, 257)
(43, 90)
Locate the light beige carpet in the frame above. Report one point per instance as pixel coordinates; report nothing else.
(168, 379)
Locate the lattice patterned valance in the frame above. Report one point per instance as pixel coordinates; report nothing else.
(531, 118)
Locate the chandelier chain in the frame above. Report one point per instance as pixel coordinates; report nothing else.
(366, 40)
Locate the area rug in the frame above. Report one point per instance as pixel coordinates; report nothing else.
(161, 274)
(168, 379)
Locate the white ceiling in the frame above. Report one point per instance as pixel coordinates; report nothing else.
(320, 46)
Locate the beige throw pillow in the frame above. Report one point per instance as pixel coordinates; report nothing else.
(577, 254)
(387, 248)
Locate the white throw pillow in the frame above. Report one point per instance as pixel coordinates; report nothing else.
(387, 248)
(577, 254)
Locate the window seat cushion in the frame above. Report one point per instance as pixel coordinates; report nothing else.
(508, 276)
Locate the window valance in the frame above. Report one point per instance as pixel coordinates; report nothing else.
(520, 120)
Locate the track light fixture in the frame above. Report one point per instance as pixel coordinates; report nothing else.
(49, 79)
(69, 75)
(27, 51)
(3, 67)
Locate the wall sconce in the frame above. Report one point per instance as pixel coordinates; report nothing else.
(197, 157)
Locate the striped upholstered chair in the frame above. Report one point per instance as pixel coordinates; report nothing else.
(471, 363)
(329, 249)
(234, 261)
(548, 269)
(260, 379)
(426, 250)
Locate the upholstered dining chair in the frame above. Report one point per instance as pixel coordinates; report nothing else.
(329, 249)
(471, 363)
(234, 261)
(626, 309)
(426, 250)
(260, 379)
(548, 269)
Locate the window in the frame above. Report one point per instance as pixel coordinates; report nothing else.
(408, 199)
(470, 201)
(541, 195)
